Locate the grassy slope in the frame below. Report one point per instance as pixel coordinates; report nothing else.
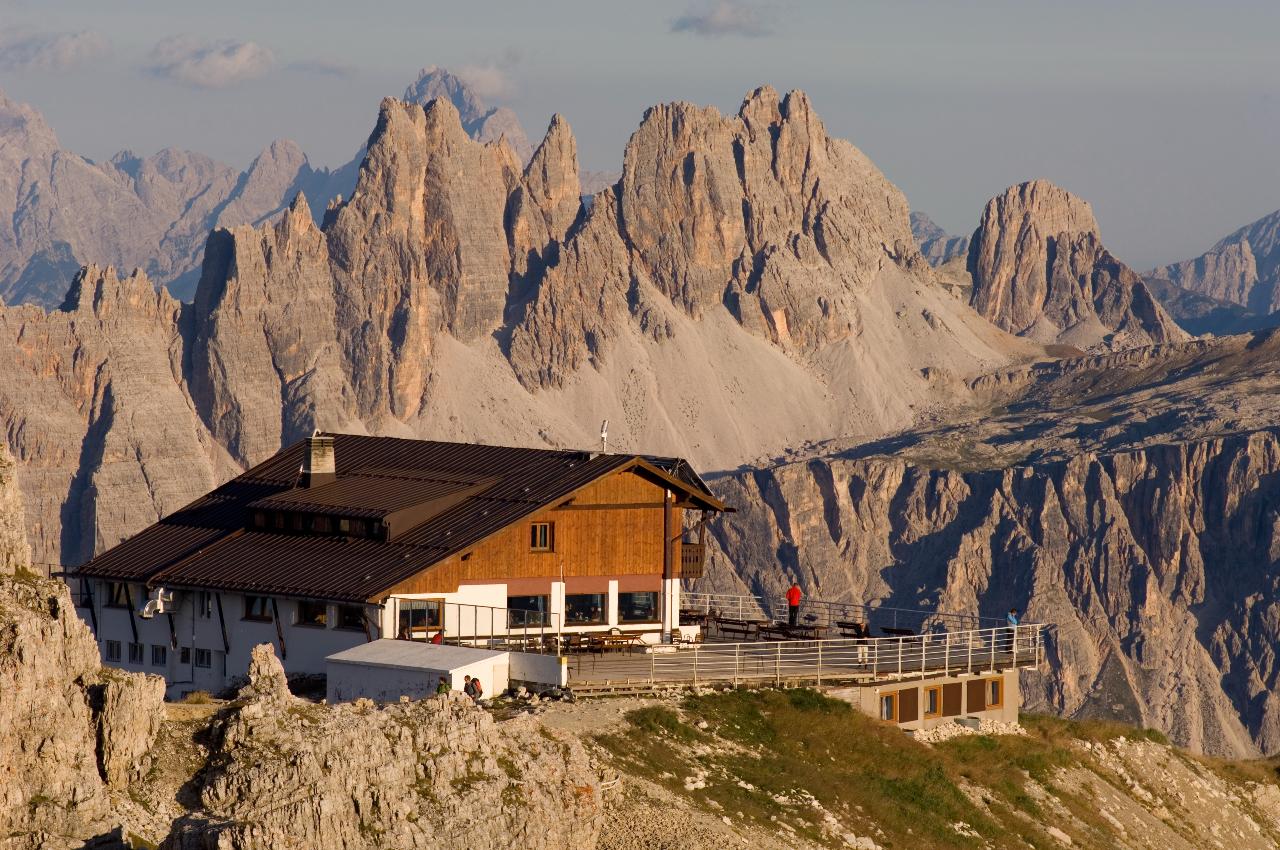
(812, 762)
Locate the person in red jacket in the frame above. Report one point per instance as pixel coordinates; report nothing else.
(793, 603)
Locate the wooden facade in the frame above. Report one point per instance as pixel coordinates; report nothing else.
(612, 527)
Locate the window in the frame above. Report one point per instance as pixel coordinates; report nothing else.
(135, 653)
(295, 522)
(584, 609)
(889, 707)
(159, 655)
(321, 524)
(541, 537)
(416, 616)
(530, 611)
(259, 519)
(933, 702)
(117, 594)
(184, 655)
(638, 607)
(113, 650)
(257, 608)
(995, 693)
(204, 604)
(351, 617)
(277, 519)
(204, 658)
(313, 613)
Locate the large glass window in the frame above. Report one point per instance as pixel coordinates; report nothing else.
(584, 609)
(204, 658)
(351, 617)
(889, 707)
(638, 607)
(418, 616)
(312, 612)
(113, 650)
(135, 653)
(159, 655)
(528, 611)
(995, 693)
(257, 608)
(204, 604)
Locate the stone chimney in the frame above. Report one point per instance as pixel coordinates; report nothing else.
(318, 465)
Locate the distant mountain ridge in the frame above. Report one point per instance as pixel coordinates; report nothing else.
(1232, 287)
(936, 245)
(1241, 268)
(60, 211)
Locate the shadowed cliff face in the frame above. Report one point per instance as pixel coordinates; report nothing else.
(1160, 568)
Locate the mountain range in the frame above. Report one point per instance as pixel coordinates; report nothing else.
(60, 211)
(749, 294)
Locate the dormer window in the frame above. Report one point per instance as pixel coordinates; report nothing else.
(541, 537)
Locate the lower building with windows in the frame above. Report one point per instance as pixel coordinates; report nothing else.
(922, 703)
(340, 540)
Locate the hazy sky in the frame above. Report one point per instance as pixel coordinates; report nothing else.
(1165, 115)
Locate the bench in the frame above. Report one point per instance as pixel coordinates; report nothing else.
(728, 626)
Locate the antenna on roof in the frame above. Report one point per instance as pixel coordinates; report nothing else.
(604, 437)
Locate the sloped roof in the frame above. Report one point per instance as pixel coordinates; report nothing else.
(414, 655)
(469, 492)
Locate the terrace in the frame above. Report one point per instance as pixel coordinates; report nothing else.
(746, 639)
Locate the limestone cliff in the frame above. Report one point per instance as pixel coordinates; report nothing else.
(73, 735)
(1131, 500)
(15, 554)
(438, 772)
(1039, 270)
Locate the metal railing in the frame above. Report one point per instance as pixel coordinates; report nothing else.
(825, 613)
(492, 627)
(887, 658)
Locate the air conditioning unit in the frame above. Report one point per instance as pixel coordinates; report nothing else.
(161, 602)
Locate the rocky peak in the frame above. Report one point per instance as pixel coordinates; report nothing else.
(1039, 270)
(936, 245)
(551, 177)
(23, 130)
(480, 121)
(99, 292)
(1242, 268)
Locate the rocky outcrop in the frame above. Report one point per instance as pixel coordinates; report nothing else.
(1039, 270)
(72, 733)
(438, 772)
(936, 245)
(1243, 268)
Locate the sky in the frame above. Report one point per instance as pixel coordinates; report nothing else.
(1165, 116)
